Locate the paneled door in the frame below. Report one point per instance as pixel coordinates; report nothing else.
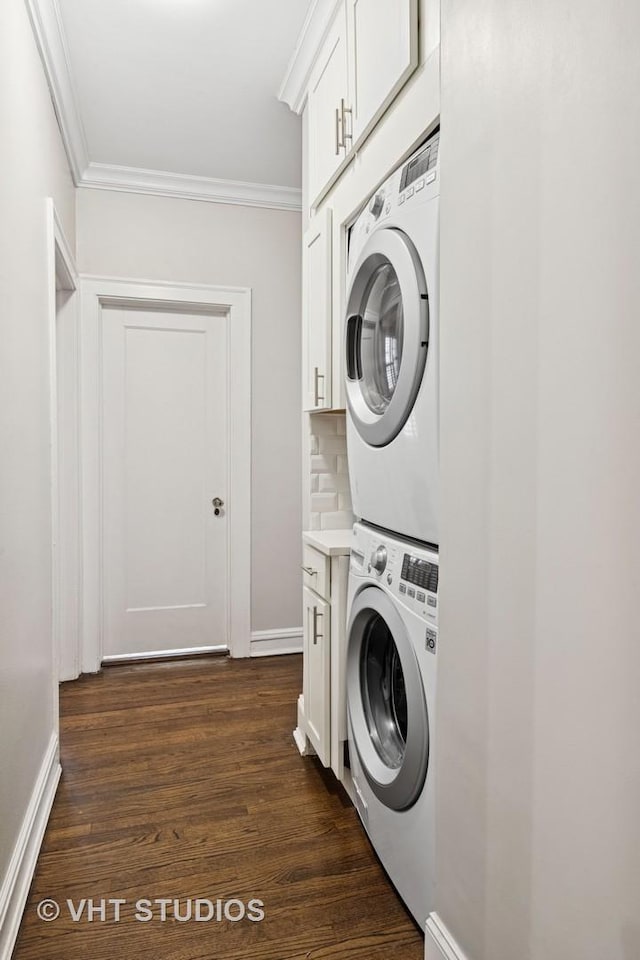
(317, 679)
(327, 98)
(383, 53)
(164, 479)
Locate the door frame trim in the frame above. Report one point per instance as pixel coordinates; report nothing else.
(65, 518)
(95, 291)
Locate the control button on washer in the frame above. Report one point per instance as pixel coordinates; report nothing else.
(411, 592)
(402, 588)
(401, 199)
(431, 177)
(389, 579)
(420, 184)
(432, 602)
(420, 596)
(409, 192)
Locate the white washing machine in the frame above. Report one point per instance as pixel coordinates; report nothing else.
(392, 640)
(391, 351)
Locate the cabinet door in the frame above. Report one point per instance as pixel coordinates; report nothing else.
(327, 91)
(339, 587)
(316, 314)
(383, 53)
(317, 654)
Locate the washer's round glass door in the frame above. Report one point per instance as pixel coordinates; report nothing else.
(384, 694)
(386, 701)
(387, 332)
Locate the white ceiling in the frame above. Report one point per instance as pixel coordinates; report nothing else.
(187, 86)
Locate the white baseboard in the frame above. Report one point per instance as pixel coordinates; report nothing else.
(301, 742)
(439, 943)
(16, 882)
(269, 643)
(179, 652)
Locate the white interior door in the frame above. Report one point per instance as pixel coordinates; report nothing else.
(164, 461)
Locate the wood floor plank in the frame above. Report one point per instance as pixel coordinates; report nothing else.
(182, 781)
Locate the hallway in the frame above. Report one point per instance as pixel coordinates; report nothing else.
(181, 781)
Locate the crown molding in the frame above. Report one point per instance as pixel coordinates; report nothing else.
(50, 40)
(52, 47)
(293, 90)
(105, 176)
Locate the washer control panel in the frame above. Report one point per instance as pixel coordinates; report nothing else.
(410, 573)
(379, 559)
(420, 572)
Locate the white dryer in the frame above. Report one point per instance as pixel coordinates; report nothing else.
(392, 639)
(391, 351)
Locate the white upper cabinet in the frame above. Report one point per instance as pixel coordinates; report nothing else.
(327, 99)
(368, 53)
(383, 53)
(316, 313)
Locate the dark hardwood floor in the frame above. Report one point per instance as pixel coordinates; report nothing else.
(182, 781)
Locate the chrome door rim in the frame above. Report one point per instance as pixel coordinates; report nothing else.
(397, 787)
(391, 246)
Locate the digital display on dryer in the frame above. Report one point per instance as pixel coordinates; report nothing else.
(420, 572)
(415, 168)
(421, 163)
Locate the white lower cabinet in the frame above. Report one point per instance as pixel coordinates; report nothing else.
(322, 723)
(317, 662)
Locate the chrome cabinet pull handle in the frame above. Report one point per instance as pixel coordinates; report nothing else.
(316, 616)
(310, 571)
(316, 387)
(338, 144)
(345, 136)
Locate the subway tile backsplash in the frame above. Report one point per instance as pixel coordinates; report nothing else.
(330, 494)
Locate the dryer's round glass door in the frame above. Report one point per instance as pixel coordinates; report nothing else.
(387, 336)
(381, 337)
(388, 718)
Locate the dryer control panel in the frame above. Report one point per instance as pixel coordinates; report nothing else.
(411, 183)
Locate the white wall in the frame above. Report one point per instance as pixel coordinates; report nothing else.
(156, 238)
(32, 167)
(538, 769)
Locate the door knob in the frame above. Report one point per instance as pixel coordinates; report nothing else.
(217, 505)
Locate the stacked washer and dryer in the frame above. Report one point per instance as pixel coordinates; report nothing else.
(391, 351)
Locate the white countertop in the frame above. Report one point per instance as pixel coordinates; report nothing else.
(333, 543)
